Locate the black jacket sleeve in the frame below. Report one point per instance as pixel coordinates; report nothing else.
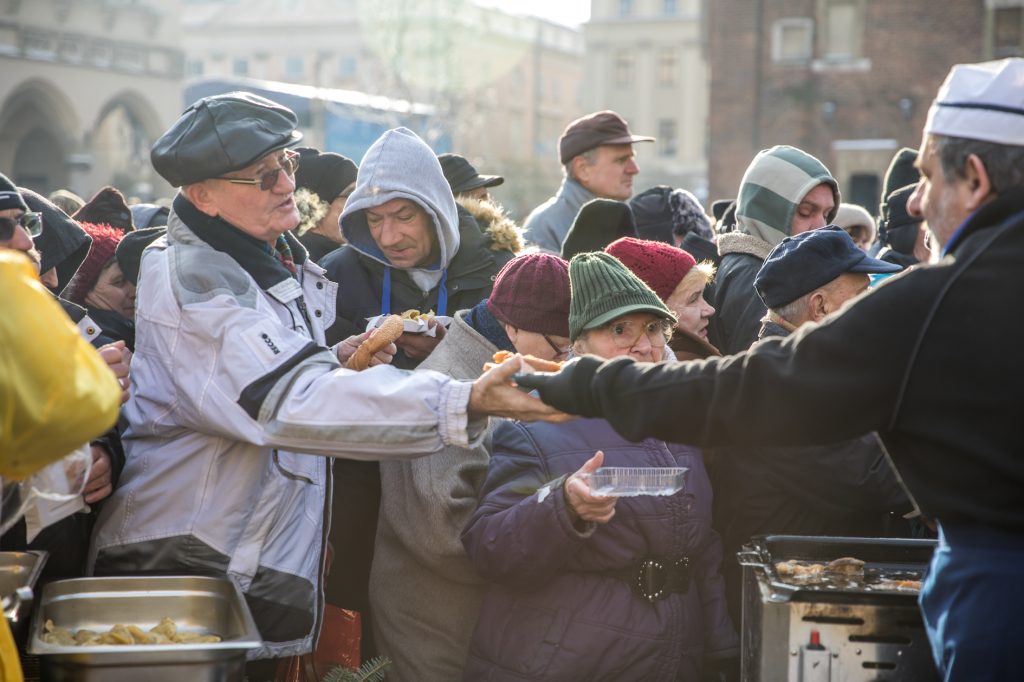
(739, 308)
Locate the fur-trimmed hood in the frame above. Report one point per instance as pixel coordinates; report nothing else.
(505, 235)
(737, 242)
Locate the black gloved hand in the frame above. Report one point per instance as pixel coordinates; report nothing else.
(721, 670)
(569, 389)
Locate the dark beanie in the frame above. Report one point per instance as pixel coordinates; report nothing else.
(108, 207)
(9, 195)
(898, 229)
(532, 293)
(598, 224)
(325, 174)
(62, 244)
(901, 173)
(653, 214)
(129, 250)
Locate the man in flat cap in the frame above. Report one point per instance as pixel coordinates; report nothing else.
(596, 152)
(464, 179)
(234, 388)
(944, 395)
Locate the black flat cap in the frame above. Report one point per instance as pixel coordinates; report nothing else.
(129, 250)
(107, 207)
(221, 134)
(598, 224)
(461, 175)
(719, 207)
(325, 174)
(810, 260)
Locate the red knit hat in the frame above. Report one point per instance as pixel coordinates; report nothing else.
(661, 266)
(532, 293)
(104, 243)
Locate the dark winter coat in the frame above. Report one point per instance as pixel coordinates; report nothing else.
(317, 245)
(738, 308)
(113, 327)
(944, 394)
(471, 275)
(549, 614)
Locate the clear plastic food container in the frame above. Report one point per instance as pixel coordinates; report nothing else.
(636, 481)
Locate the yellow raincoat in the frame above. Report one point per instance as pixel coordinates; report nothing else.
(56, 392)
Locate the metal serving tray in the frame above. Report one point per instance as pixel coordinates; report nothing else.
(205, 605)
(19, 572)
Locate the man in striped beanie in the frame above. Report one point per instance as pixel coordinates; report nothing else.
(784, 192)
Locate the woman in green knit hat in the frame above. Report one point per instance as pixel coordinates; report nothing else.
(585, 587)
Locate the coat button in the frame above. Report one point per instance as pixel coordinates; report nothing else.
(494, 278)
(319, 285)
(455, 288)
(319, 314)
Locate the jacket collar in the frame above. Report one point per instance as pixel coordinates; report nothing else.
(774, 325)
(245, 249)
(574, 194)
(991, 214)
(737, 242)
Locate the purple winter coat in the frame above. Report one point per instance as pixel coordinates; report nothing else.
(548, 615)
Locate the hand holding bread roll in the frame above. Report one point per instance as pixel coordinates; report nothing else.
(536, 363)
(380, 338)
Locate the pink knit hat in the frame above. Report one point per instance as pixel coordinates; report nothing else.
(661, 266)
(104, 242)
(532, 293)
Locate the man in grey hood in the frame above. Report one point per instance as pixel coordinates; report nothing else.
(410, 246)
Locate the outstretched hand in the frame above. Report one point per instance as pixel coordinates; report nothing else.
(493, 394)
(580, 503)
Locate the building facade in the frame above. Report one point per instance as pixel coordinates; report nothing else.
(645, 59)
(87, 87)
(500, 87)
(849, 81)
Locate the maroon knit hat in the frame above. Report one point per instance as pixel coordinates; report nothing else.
(661, 266)
(532, 293)
(104, 243)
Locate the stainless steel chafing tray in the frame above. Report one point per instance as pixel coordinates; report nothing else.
(19, 572)
(205, 605)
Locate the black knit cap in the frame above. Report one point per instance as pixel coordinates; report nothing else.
(461, 175)
(221, 134)
(9, 195)
(719, 207)
(108, 207)
(898, 230)
(653, 214)
(325, 174)
(129, 250)
(598, 224)
(62, 244)
(901, 172)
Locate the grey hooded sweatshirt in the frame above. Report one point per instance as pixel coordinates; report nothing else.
(400, 165)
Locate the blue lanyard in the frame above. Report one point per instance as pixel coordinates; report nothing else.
(442, 295)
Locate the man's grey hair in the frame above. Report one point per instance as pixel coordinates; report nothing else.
(796, 309)
(1003, 163)
(590, 156)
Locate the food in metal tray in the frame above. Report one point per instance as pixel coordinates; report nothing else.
(847, 565)
(899, 585)
(795, 568)
(165, 633)
(414, 315)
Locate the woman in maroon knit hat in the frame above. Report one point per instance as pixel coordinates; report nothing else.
(100, 286)
(679, 281)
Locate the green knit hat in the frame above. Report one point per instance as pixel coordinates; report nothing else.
(603, 289)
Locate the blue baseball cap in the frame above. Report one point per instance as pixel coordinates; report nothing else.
(810, 260)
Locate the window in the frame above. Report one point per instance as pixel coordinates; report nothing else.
(668, 71)
(864, 190)
(624, 69)
(625, 7)
(668, 144)
(841, 30)
(293, 67)
(347, 68)
(240, 67)
(1006, 32)
(669, 7)
(792, 40)
(194, 68)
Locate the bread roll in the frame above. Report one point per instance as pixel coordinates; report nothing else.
(379, 339)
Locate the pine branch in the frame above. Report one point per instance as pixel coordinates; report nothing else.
(371, 671)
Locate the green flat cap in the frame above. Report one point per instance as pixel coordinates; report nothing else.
(604, 289)
(221, 134)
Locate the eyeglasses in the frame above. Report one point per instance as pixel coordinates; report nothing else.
(32, 223)
(559, 352)
(267, 179)
(625, 333)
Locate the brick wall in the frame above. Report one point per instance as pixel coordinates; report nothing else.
(756, 103)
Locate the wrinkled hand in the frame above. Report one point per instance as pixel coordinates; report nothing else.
(100, 484)
(580, 504)
(118, 359)
(568, 389)
(419, 346)
(493, 394)
(349, 346)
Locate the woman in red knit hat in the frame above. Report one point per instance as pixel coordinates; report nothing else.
(679, 281)
(100, 286)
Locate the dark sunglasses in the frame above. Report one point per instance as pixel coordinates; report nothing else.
(32, 223)
(267, 180)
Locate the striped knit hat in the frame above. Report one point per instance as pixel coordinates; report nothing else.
(775, 183)
(604, 289)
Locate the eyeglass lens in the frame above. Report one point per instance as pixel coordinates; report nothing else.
(289, 164)
(32, 223)
(625, 334)
(554, 346)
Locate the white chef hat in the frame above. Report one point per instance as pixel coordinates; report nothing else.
(981, 102)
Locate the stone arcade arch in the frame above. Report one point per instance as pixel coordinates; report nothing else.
(121, 137)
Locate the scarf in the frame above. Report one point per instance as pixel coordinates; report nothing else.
(283, 253)
(481, 320)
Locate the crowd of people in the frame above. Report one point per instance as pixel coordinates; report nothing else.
(814, 371)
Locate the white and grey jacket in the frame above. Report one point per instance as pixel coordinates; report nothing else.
(233, 392)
